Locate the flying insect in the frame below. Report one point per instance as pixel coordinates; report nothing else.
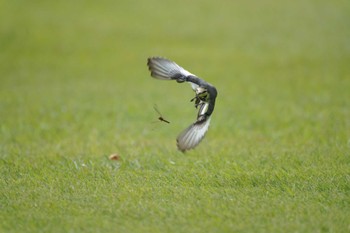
(161, 118)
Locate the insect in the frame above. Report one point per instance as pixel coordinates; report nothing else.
(204, 100)
(161, 118)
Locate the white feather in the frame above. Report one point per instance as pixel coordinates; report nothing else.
(162, 68)
(192, 135)
(194, 86)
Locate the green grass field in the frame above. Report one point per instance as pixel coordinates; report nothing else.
(75, 88)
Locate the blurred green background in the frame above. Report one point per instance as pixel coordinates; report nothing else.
(75, 88)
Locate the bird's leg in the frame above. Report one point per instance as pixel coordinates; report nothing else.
(197, 102)
(201, 97)
(194, 98)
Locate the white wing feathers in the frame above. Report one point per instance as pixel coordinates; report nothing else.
(165, 69)
(162, 68)
(193, 135)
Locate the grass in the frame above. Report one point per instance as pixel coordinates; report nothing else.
(75, 89)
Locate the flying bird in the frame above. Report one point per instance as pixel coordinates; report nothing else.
(204, 100)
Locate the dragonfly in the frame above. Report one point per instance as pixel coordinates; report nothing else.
(161, 118)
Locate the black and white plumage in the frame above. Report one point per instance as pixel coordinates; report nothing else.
(206, 93)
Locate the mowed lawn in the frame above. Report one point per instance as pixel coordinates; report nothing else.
(74, 89)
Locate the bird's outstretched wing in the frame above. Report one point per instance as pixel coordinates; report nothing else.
(193, 135)
(164, 69)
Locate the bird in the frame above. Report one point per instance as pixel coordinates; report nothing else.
(205, 95)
